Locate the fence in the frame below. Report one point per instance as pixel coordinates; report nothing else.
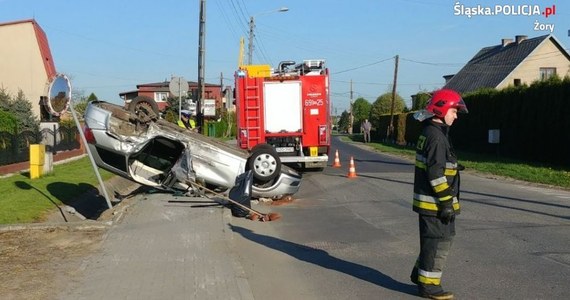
(15, 148)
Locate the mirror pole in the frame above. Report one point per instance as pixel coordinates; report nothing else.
(84, 141)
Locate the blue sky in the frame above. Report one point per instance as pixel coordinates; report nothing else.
(107, 47)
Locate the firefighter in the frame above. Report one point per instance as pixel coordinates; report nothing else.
(436, 191)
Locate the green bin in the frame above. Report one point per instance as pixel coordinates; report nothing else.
(212, 129)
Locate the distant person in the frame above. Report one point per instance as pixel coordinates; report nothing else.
(186, 120)
(365, 127)
(436, 191)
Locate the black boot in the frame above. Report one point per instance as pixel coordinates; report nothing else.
(433, 292)
(414, 276)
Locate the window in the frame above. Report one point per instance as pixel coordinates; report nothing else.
(517, 81)
(546, 73)
(160, 96)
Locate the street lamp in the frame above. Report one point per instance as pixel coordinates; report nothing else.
(252, 25)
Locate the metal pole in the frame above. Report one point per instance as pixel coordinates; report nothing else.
(179, 100)
(84, 140)
(201, 63)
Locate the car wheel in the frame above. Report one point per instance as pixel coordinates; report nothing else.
(264, 162)
(144, 108)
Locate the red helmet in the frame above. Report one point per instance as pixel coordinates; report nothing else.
(442, 100)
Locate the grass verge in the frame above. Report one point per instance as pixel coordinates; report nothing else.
(490, 164)
(26, 200)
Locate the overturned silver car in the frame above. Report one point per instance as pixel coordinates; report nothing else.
(137, 145)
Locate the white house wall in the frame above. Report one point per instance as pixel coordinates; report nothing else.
(546, 55)
(21, 65)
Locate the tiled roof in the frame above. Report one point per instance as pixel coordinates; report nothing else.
(491, 65)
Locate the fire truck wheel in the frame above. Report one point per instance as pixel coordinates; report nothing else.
(264, 162)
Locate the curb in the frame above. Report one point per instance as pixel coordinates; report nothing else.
(73, 226)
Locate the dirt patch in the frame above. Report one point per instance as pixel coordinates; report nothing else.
(37, 263)
(283, 201)
(39, 260)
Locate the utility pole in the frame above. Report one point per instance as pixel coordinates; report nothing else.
(201, 65)
(250, 46)
(351, 116)
(252, 27)
(390, 131)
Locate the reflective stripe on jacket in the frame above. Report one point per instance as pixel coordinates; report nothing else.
(436, 175)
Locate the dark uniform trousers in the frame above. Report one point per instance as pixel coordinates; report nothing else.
(435, 242)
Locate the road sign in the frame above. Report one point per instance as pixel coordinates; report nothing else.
(178, 86)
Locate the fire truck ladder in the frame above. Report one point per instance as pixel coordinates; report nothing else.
(252, 111)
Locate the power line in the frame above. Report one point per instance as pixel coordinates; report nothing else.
(433, 64)
(363, 66)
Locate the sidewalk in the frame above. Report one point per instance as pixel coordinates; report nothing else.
(164, 247)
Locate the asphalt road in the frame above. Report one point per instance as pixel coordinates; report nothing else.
(357, 238)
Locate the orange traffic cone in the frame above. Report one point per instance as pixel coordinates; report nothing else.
(351, 169)
(336, 160)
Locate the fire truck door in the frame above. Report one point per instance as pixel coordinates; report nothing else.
(282, 103)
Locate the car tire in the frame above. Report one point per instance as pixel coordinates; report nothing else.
(264, 162)
(145, 109)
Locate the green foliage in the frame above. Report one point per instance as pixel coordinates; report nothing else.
(344, 121)
(361, 110)
(5, 100)
(92, 97)
(382, 106)
(8, 123)
(170, 115)
(229, 119)
(420, 100)
(80, 105)
(80, 102)
(225, 127)
(21, 109)
(67, 123)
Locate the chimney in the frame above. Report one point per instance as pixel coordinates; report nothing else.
(520, 38)
(448, 77)
(505, 42)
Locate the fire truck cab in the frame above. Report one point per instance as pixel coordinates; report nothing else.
(285, 111)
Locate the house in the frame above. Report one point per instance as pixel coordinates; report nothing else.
(512, 63)
(160, 91)
(26, 62)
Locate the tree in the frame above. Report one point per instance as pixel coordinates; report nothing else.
(21, 108)
(382, 106)
(92, 97)
(360, 111)
(5, 100)
(344, 121)
(420, 100)
(79, 101)
(170, 113)
(8, 123)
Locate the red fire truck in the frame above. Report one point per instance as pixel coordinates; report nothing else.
(284, 112)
